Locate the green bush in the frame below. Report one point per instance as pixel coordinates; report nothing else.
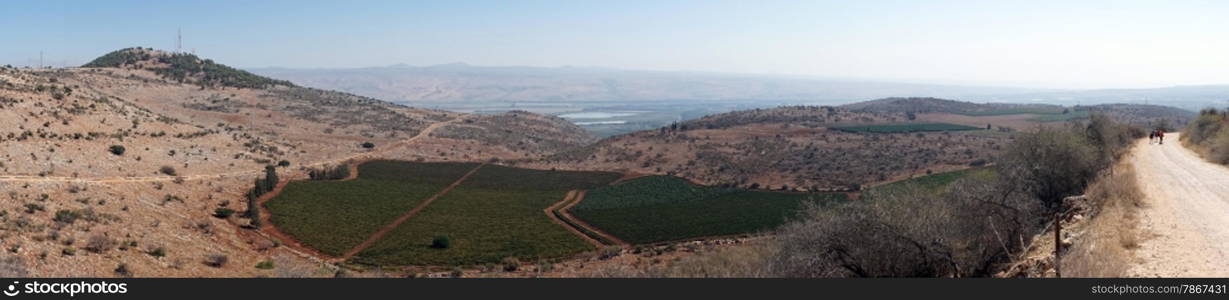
(1210, 131)
(67, 216)
(168, 170)
(157, 252)
(223, 212)
(441, 242)
(117, 149)
(265, 265)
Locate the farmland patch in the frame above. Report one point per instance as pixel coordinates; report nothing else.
(662, 208)
(493, 215)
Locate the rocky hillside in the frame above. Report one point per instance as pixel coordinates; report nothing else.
(1145, 115)
(125, 166)
(788, 148)
(811, 147)
(1138, 114)
(914, 105)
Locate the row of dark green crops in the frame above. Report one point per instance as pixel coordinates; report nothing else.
(662, 208)
(495, 214)
(335, 216)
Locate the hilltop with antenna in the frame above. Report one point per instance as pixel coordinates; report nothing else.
(183, 68)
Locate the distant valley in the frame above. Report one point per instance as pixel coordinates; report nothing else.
(615, 101)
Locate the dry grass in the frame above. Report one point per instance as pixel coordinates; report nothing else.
(1112, 232)
(746, 261)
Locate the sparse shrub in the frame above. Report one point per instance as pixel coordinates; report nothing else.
(1210, 131)
(216, 260)
(1052, 164)
(33, 207)
(117, 149)
(907, 232)
(223, 212)
(368, 145)
(99, 243)
(265, 265)
(283, 163)
(966, 231)
(609, 252)
(168, 170)
(204, 226)
(330, 173)
(157, 252)
(67, 216)
(123, 271)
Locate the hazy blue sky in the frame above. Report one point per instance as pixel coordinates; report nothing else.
(1070, 44)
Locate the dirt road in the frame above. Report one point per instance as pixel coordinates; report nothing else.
(1186, 220)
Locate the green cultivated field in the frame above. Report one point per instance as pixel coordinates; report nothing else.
(938, 183)
(905, 128)
(334, 216)
(663, 208)
(496, 213)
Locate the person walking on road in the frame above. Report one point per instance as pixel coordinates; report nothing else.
(1160, 136)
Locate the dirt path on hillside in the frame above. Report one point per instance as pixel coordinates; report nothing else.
(1186, 219)
(550, 213)
(406, 217)
(564, 212)
(129, 179)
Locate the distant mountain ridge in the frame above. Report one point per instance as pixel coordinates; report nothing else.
(462, 82)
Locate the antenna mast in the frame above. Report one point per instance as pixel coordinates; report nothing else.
(40, 59)
(179, 40)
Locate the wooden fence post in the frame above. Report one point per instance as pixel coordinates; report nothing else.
(1058, 245)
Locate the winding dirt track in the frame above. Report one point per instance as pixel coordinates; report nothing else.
(1186, 219)
(126, 179)
(550, 213)
(565, 213)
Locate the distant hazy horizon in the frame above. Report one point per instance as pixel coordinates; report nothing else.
(1031, 44)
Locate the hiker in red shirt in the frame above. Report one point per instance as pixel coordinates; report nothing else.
(1160, 136)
